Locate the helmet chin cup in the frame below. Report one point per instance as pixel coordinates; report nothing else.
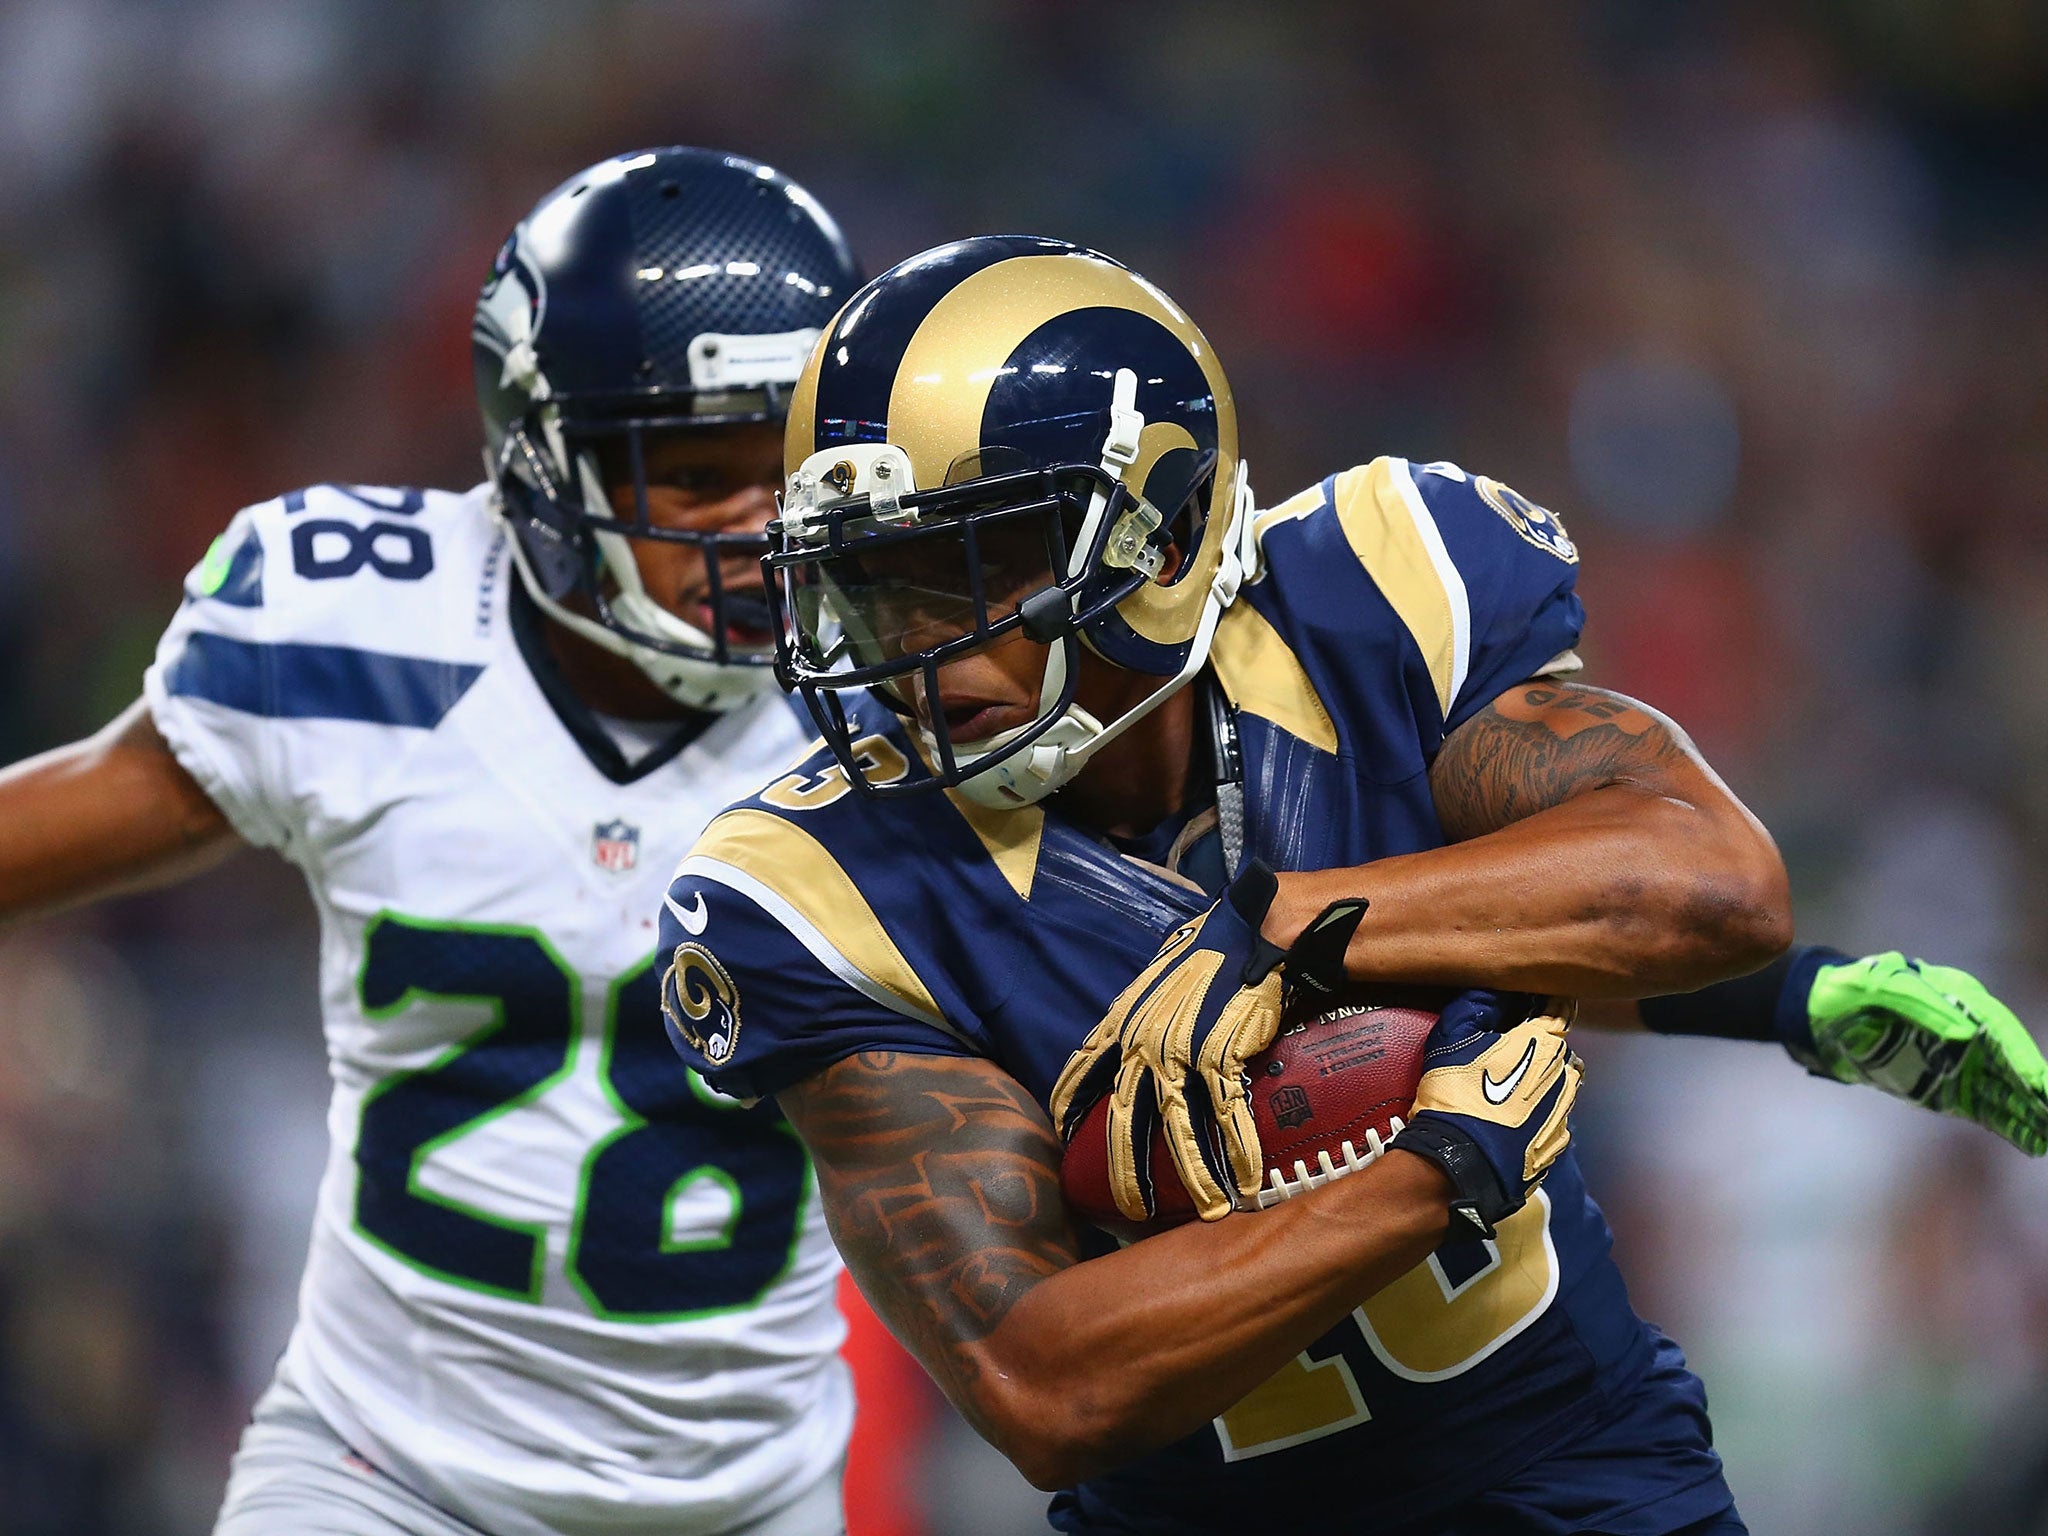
(711, 686)
(704, 686)
(1026, 777)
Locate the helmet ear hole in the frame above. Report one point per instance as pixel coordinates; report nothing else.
(556, 562)
(1183, 533)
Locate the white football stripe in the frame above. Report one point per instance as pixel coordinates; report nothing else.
(1446, 572)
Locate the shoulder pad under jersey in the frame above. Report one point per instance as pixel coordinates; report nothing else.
(1445, 586)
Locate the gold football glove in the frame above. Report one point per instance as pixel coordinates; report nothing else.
(1208, 1002)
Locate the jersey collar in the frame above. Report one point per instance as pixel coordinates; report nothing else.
(529, 633)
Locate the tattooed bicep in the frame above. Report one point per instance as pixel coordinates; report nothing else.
(940, 1176)
(1540, 743)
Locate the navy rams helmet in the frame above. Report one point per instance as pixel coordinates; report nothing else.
(1007, 434)
(670, 289)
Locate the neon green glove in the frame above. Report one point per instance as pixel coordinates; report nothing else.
(1931, 1034)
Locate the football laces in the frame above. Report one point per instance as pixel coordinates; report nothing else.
(1349, 1159)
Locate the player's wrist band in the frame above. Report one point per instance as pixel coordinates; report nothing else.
(1769, 1005)
(1481, 1201)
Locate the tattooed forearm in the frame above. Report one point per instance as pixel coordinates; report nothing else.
(941, 1183)
(940, 1179)
(1540, 744)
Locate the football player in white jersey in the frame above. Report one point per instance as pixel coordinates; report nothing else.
(556, 1283)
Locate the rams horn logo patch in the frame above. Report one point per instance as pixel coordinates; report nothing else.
(1537, 525)
(702, 1004)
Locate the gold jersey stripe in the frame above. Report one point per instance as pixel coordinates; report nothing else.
(1264, 678)
(796, 867)
(1301, 504)
(1374, 511)
(1012, 838)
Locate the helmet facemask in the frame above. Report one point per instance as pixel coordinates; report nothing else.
(553, 470)
(881, 586)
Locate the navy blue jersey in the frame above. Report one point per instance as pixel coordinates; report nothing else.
(1389, 603)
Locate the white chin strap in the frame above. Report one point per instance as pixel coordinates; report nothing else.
(692, 682)
(1076, 736)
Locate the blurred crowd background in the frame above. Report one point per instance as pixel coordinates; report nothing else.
(1756, 296)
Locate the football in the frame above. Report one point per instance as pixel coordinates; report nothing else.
(1326, 1096)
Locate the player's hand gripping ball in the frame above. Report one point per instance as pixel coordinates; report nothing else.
(1493, 1109)
(1166, 1067)
(1325, 1098)
(1484, 1090)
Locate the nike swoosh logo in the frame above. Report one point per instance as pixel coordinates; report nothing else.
(693, 921)
(1497, 1092)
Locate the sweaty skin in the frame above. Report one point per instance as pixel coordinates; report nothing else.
(1593, 853)
(116, 812)
(940, 1178)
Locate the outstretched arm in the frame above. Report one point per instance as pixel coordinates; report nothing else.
(1591, 852)
(940, 1178)
(1930, 1034)
(109, 814)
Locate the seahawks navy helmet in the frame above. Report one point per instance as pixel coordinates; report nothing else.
(665, 290)
(1006, 434)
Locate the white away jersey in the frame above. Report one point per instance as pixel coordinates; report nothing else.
(556, 1283)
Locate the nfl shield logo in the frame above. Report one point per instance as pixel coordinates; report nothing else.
(1290, 1106)
(615, 846)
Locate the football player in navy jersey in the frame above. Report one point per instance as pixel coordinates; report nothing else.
(1113, 766)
